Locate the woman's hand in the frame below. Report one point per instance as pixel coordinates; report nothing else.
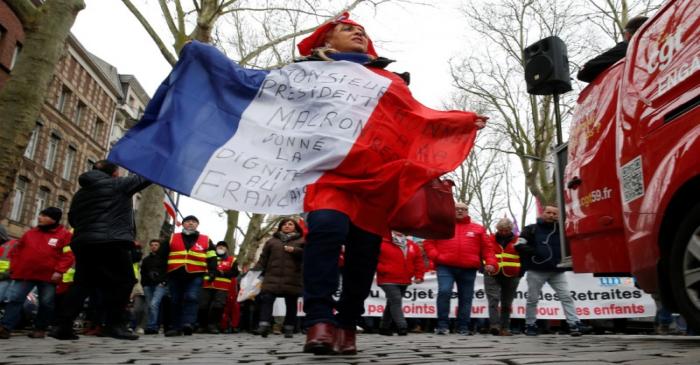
(289, 249)
(481, 121)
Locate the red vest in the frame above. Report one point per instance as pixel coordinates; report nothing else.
(508, 258)
(194, 260)
(219, 283)
(5, 255)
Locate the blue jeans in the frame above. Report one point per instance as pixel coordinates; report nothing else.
(328, 231)
(447, 276)
(184, 291)
(18, 295)
(154, 296)
(4, 289)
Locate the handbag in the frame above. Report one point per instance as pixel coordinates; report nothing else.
(430, 213)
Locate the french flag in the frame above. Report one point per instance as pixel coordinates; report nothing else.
(310, 135)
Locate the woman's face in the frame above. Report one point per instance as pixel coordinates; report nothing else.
(288, 227)
(347, 38)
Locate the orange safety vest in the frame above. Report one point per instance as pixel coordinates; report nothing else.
(508, 258)
(218, 283)
(194, 260)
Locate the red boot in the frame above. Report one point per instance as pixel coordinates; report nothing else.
(345, 341)
(320, 338)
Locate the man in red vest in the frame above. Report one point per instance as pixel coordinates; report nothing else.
(190, 256)
(500, 286)
(215, 290)
(457, 260)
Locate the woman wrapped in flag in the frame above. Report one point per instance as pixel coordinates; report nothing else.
(336, 136)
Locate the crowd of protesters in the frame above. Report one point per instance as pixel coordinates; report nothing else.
(187, 284)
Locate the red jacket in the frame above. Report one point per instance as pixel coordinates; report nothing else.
(395, 268)
(466, 249)
(39, 254)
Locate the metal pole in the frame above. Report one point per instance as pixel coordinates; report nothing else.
(557, 119)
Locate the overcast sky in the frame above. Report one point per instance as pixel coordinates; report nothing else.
(421, 40)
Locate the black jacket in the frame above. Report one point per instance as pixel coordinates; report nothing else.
(153, 270)
(600, 63)
(101, 210)
(542, 251)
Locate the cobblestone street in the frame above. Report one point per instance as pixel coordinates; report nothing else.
(374, 349)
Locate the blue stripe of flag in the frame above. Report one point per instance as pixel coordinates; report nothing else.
(194, 111)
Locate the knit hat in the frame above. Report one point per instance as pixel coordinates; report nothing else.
(53, 213)
(190, 218)
(222, 243)
(318, 37)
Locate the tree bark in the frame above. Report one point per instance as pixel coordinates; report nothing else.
(231, 226)
(251, 242)
(23, 95)
(150, 215)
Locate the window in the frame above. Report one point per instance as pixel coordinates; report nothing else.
(88, 165)
(63, 99)
(15, 54)
(97, 131)
(31, 146)
(42, 198)
(18, 198)
(79, 112)
(62, 203)
(68, 164)
(51, 151)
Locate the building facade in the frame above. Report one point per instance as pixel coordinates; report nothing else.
(88, 107)
(11, 40)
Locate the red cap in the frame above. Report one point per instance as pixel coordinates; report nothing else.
(318, 37)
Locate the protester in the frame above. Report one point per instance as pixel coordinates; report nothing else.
(6, 246)
(215, 290)
(190, 256)
(154, 285)
(602, 62)
(138, 299)
(400, 264)
(500, 286)
(457, 261)
(540, 250)
(281, 264)
(341, 217)
(39, 260)
(102, 217)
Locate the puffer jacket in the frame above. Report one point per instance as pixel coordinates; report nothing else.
(102, 209)
(40, 253)
(281, 269)
(466, 249)
(396, 268)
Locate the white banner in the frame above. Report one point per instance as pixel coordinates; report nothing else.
(595, 298)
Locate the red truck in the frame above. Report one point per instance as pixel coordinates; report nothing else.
(631, 185)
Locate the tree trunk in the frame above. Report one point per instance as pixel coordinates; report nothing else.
(231, 225)
(251, 242)
(150, 216)
(24, 93)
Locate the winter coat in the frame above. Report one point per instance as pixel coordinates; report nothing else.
(38, 254)
(395, 267)
(153, 270)
(469, 246)
(102, 209)
(281, 269)
(542, 250)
